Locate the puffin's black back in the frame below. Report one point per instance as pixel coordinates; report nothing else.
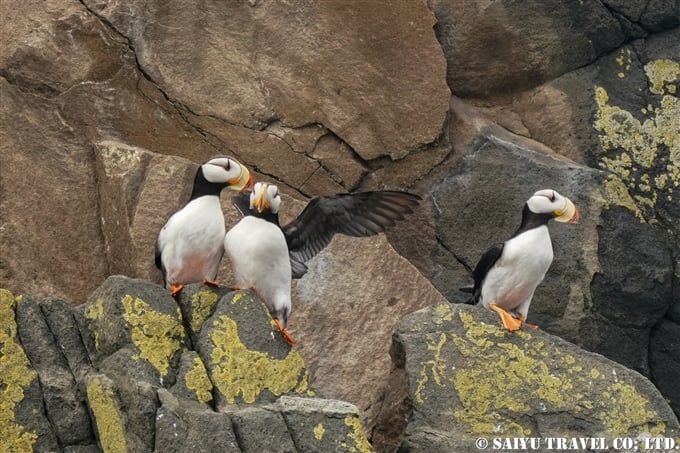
(530, 220)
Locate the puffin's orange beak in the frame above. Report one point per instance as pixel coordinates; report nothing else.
(244, 181)
(259, 202)
(569, 214)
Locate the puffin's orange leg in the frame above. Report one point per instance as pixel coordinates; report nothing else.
(176, 289)
(211, 282)
(509, 322)
(524, 321)
(284, 332)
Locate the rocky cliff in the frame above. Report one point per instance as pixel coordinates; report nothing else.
(134, 370)
(107, 106)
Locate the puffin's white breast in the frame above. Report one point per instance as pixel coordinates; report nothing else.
(520, 269)
(191, 241)
(259, 257)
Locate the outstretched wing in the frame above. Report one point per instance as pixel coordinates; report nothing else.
(483, 267)
(359, 214)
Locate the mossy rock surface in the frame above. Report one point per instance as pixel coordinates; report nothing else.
(247, 359)
(467, 377)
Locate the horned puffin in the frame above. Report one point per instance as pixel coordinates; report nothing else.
(189, 246)
(508, 273)
(266, 256)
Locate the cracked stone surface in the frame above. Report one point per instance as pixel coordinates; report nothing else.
(108, 106)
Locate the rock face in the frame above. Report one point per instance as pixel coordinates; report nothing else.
(127, 371)
(106, 108)
(135, 383)
(464, 378)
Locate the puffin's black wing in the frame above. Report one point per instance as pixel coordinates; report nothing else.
(358, 214)
(483, 267)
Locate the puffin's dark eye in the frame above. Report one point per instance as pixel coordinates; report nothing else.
(552, 196)
(228, 165)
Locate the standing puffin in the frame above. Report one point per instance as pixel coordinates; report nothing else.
(508, 273)
(265, 256)
(189, 246)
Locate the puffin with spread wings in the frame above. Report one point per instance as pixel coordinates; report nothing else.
(266, 256)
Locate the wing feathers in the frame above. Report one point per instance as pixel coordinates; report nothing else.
(361, 214)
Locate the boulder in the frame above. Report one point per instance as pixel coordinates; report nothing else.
(344, 314)
(245, 355)
(298, 77)
(22, 414)
(466, 378)
(134, 382)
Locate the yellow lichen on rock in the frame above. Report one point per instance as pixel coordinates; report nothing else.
(640, 146)
(15, 376)
(626, 408)
(107, 417)
(197, 381)
(357, 435)
(435, 366)
(661, 74)
(508, 373)
(155, 334)
(238, 371)
(202, 305)
(95, 312)
(319, 431)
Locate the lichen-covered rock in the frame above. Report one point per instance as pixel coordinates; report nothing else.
(64, 405)
(23, 425)
(131, 314)
(324, 425)
(467, 377)
(193, 383)
(247, 359)
(198, 302)
(184, 427)
(108, 415)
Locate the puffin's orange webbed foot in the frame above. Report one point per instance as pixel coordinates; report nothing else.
(524, 321)
(509, 322)
(285, 333)
(214, 283)
(176, 289)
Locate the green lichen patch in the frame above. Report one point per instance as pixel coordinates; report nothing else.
(357, 436)
(197, 381)
(202, 305)
(15, 376)
(642, 157)
(157, 335)
(107, 417)
(662, 74)
(237, 371)
(497, 378)
(95, 312)
(319, 431)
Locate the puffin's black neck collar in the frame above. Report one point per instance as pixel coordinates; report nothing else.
(532, 220)
(204, 187)
(266, 215)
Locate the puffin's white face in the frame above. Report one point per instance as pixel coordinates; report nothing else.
(225, 170)
(550, 202)
(265, 196)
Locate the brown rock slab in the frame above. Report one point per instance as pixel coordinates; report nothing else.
(345, 311)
